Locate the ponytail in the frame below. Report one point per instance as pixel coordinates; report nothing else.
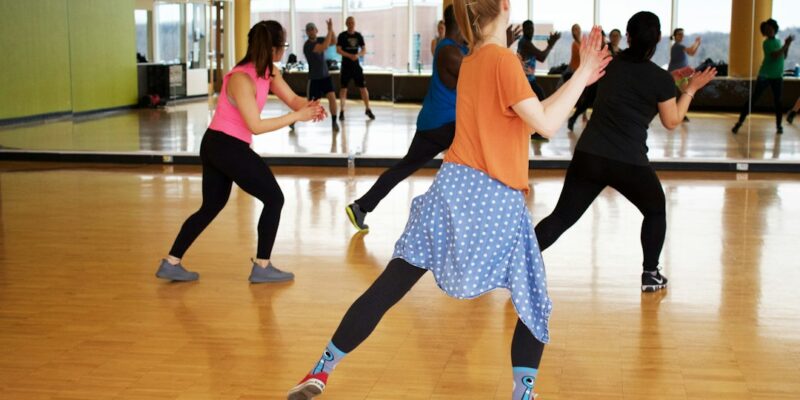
(472, 15)
(262, 40)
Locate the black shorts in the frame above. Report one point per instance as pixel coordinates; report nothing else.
(319, 88)
(355, 74)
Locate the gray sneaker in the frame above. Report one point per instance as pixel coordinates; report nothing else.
(175, 272)
(356, 216)
(269, 274)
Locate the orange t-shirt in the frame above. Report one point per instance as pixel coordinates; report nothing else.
(575, 60)
(490, 136)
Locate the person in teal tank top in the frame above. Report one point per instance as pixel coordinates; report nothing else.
(770, 75)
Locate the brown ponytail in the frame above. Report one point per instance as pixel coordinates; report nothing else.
(472, 15)
(262, 40)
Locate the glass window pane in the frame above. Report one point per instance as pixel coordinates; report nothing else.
(787, 13)
(277, 10)
(519, 11)
(551, 16)
(616, 13)
(384, 25)
(427, 14)
(169, 33)
(142, 33)
(197, 35)
(710, 20)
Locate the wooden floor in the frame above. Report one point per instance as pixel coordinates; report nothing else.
(83, 317)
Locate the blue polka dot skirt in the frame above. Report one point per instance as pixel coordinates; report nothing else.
(475, 234)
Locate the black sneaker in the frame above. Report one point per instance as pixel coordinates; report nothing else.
(539, 138)
(335, 126)
(341, 115)
(780, 130)
(790, 116)
(685, 119)
(356, 216)
(370, 114)
(291, 126)
(653, 283)
(736, 127)
(571, 122)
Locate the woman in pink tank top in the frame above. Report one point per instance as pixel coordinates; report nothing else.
(227, 157)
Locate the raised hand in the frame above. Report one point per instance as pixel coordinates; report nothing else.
(554, 37)
(593, 56)
(513, 32)
(699, 80)
(329, 22)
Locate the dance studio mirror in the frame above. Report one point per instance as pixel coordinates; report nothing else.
(192, 40)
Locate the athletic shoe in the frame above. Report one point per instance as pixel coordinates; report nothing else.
(356, 216)
(571, 122)
(685, 119)
(270, 274)
(370, 114)
(311, 386)
(736, 127)
(175, 272)
(341, 115)
(652, 283)
(335, 126)
(291, 126)
(780, 130)
(790, 116)
(539, 138)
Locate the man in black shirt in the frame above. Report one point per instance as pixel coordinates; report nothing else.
(319, 79)
(350, 45)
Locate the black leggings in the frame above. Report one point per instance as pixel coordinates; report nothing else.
(227, 160)
(395, 281)
(587, 176)
(424, 147)
(777, 92)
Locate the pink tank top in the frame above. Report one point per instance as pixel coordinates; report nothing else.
(226, 117)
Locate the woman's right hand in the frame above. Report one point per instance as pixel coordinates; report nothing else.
(594, 58)
(700, 80)
(312, 111)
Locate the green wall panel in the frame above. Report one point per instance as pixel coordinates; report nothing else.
(34, 42)
(103, 54)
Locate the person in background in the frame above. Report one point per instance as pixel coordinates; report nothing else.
(440, 28)
(319, 79)
(530, 54)
(350, 45)
(770, 75)
(679, 54)
(614, 39)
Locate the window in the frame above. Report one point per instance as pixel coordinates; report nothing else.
(169, 19)
(519, 11)
(277, 10)
(710, 20)
(383, 23)
(616, 13)
(197, 35)
(559, 16)
(787, 13)
(427, 14)
(142, 18)
(317, 11)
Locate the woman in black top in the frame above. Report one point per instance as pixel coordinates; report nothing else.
(612, 150)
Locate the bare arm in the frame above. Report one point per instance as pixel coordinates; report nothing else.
(448, 65)
(241, 89)
(692, 50)
(672, 112)
(433, 47)
(547, 117)
(329, 39)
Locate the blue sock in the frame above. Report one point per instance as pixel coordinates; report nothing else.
(524, 379)
(330, 357)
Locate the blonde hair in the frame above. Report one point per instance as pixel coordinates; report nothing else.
(472, 15)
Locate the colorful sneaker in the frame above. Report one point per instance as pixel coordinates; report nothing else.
(653, 283)
(175, 272)
(356, 216)
(311, 386)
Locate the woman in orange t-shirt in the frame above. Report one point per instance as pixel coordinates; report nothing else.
(472, 229)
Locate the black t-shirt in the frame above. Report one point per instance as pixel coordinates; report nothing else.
(317, 67)
(627, 101)
(350, 43)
